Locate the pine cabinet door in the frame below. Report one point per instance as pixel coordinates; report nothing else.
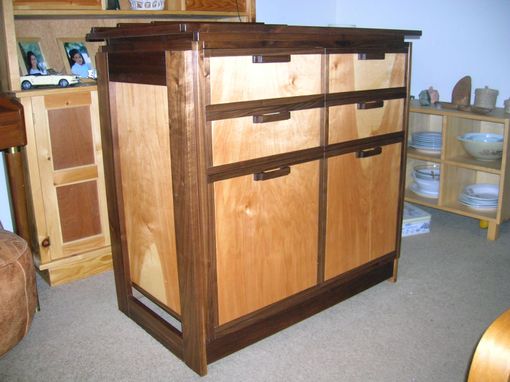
(362, 207)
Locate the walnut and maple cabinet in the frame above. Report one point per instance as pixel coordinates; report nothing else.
(253, 172)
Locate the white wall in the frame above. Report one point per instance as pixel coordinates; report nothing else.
(460, 37)
(297, 12)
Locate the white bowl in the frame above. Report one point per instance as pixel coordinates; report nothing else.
(483, 146)
(427, 185)
(427, 171)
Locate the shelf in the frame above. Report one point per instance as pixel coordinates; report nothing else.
(120, 14)
(493, 167)
(410, 196)
(416, 154)
(497, 115)
(42, 91)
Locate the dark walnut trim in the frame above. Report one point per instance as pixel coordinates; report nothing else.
(237, 335)
(275, 105)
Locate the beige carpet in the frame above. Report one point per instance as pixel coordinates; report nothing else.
(452, 284)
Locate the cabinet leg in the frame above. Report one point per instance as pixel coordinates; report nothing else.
(493, 231)
(393, 278)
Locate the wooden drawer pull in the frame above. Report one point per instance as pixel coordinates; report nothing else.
(263, 118)
(266, 175)
(369, 153)
(371, 56)
(370, 105)
(260, 59)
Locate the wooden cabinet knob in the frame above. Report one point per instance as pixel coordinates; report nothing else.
(370, 105)
(46, 242)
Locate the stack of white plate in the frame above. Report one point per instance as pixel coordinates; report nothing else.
(480, 196)
(427, 141)
(426, 181)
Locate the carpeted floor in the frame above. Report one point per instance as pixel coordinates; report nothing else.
(452, 284)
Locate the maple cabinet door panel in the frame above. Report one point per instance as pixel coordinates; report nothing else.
(347, 72)
(266, 239)
(350, 122)
(70, 174)
(238, 139)
(234, 79)
(362, 207)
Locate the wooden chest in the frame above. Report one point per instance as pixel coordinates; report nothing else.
(254, 174)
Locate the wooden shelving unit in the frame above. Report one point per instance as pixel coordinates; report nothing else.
(67, 209)
(458, 169)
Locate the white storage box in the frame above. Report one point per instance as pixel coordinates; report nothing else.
(416, 221)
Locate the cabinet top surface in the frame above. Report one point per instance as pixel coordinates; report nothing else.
(224, 31)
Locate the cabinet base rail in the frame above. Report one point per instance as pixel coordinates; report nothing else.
(249, 329)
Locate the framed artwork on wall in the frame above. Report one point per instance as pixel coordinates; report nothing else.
(76, 57)
(31, 57)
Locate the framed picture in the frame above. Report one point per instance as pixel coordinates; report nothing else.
(76, 57)
(30, 56)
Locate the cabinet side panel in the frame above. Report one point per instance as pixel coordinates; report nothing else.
(142, 120)
(266, 239)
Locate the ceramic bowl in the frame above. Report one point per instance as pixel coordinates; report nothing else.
(483, 146)
(426, 185)
(427, 171)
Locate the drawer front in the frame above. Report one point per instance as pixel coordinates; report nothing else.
(350, 122)
(347, 72)
(234, 79)
(239, 139)
(266, 239)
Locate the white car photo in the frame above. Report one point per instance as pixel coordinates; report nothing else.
(62, 80)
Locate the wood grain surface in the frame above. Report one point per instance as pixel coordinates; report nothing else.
(365, 191)
(147, 189)
(348, 122)
(491, 360)
(239, 139)
(266, 239)
(239, 79)
(348, 73)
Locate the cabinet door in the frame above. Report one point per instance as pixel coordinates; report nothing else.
(72, 217)
(266, 239)
(362, 206)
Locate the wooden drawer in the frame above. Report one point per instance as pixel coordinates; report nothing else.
(350, 122)
(349, 72)
(235, 79)
(266, 239)
(238, 139)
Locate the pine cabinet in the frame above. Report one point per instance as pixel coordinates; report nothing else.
(458, 168)
(254, 174)
(67, 185)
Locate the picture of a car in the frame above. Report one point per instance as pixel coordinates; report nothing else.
(62, 80)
